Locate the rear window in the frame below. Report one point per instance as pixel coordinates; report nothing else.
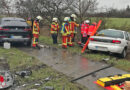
(111, 33)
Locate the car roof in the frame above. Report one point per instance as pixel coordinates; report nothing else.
(12, 18)
(115, 30)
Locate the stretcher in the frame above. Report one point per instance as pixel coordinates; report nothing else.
(113, 82)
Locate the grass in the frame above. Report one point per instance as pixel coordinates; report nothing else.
(18, 60)
(119, 63)
(114, 23)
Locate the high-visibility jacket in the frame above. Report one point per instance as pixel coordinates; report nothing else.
(91, 29)
(65, 29)
(54, 27)
(72, 26)
(84, 29)
(36, 28)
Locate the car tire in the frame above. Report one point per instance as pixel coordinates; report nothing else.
(124, 53)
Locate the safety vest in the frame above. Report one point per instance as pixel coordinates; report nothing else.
(36, 28)
(84, 29)
(65, 29)
(73, 25)
(91, 29)
(54, 28)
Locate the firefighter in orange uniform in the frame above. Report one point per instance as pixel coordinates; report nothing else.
(84, 31)
(36, 32)
(91, 28)
(65, 32)
(73, 26)
(54, 30)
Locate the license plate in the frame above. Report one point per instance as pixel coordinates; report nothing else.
(16, 37)
(101, 48)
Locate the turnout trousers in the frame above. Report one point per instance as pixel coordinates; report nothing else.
(54, 37)
(64, 41)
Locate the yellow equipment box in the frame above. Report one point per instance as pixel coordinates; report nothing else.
(113, 80)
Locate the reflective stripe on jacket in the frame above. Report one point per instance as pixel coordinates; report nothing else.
(65, 29)
(54, 27)
(36, 28)
(73, 25)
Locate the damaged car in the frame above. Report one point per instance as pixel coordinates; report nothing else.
(13, 29)
(111, 40)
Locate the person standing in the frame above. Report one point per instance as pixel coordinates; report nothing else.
(73, 26)
(54, 30)
(84, 31)
(36, 31)
(91, 28)
(65, 32)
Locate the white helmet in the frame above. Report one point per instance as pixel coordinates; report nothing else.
(87, 21)
(55, 19)
(74, 16)
(39, 17)
(66, 19)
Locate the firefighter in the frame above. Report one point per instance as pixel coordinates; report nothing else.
(87, 28)
(73, 26)
(36, 31)
(65, 32)
(54, 30)
(91, 28)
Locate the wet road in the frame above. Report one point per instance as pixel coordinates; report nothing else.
(73, 65)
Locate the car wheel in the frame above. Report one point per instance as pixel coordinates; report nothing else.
(124, 53)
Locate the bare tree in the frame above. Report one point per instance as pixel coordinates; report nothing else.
(5, 6)
(83, 7)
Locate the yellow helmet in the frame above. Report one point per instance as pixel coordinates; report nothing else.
(39, 17)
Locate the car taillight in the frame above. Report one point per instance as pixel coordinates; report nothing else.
(92, 39)
(27, 29)
(116, 41)
(3, 36)
(3, 29)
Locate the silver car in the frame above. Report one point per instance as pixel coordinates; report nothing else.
(111, 40)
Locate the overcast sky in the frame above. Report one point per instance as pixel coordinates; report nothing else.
(120, 4)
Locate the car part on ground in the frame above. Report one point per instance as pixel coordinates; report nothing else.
(114, 41)
(24, 73)
(6, 79)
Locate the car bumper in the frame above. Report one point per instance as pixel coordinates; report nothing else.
(106, 48)
(15, 40)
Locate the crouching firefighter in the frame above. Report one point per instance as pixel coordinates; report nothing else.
(65, 32)
(54, 30)
(36, 32)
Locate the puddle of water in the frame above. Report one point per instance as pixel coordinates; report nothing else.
(73, 65)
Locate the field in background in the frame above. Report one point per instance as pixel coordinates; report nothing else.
(114, 23)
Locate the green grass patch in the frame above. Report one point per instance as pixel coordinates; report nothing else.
(19, 60)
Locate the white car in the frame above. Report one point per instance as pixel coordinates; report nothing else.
(111, 40)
